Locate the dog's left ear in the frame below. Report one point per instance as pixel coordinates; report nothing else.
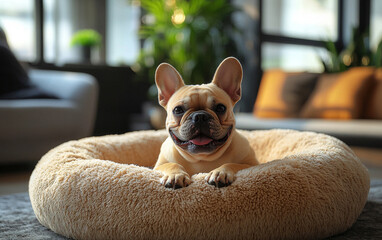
(168, 81)
(228, 77)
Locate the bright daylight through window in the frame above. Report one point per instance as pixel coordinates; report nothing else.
(117, 22)
(17, 21)
(304, 19)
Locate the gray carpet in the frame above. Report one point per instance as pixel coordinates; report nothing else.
(17, 220)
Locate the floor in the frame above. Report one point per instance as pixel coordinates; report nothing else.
(372, 159)
(14, 179)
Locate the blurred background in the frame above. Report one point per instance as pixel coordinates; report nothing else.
(114, 46)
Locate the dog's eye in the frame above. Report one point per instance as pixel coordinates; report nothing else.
(220, 108)
(178, 110)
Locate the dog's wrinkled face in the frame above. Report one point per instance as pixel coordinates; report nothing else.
(200, 118)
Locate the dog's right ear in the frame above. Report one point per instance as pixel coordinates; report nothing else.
(228, 77)
(168, 81)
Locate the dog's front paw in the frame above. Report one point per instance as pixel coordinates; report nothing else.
(220, 178)
(175, 181)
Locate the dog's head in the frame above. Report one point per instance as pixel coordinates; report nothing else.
(200, 118)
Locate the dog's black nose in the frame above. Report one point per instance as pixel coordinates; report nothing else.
(200, 117)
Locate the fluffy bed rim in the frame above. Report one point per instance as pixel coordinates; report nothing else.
(308, 186)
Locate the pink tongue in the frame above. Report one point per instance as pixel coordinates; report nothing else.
(201, 140)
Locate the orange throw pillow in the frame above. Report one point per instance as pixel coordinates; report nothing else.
(282, 94)
(341, 95)
(373, 105)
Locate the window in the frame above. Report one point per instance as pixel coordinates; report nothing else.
(375, 23)
(122, 26)
(308, 19)
(117, 21)
(17, 21)
(293, 31)
(292, 57)
(59, 26)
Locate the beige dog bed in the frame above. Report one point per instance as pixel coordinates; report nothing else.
(309, 186)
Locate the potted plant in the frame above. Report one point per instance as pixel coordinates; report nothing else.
(356, 53)
(86, 39)
(192, 35)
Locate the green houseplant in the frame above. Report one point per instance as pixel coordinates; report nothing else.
(192, 35)
(356, 53)
(86, 39)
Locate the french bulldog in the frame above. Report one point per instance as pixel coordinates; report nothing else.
(201, 127)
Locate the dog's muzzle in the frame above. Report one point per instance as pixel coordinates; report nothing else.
(200, 139)
(201, 121)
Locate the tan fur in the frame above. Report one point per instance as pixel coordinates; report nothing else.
(177, 164)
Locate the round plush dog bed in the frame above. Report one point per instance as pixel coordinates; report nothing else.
(308, 186)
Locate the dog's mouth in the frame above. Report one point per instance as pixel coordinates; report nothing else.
(200, 142)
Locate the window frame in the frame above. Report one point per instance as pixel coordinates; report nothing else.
(280, 39)
(364, 23)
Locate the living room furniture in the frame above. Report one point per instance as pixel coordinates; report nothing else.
(31, 127)
(344, 105)
(306, 186)
(355, 132)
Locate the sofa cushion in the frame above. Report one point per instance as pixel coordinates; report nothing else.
(373, 105)
(12, 76)
(14, 80)
(339, 96)
(282, 94)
